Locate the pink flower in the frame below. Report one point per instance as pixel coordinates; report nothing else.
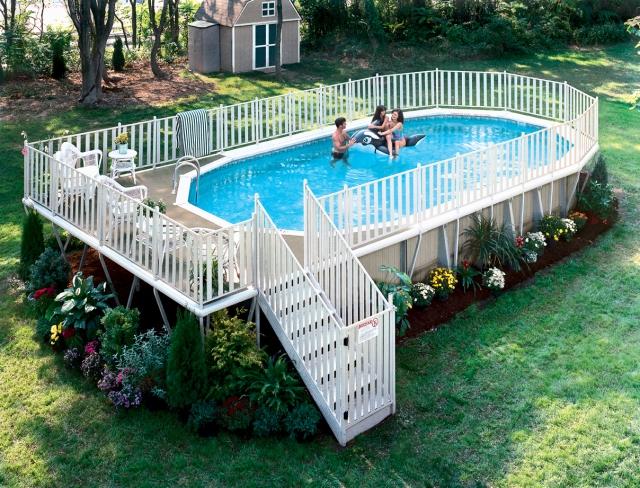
(519, 241)
(25, 150)
(91, 347)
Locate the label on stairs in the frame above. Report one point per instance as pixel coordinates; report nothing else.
(367, 329)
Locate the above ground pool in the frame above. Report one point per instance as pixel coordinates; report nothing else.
(228, 191)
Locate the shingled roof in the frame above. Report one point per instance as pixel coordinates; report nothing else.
(223, 12)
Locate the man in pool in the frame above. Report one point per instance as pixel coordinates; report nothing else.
(340, 139)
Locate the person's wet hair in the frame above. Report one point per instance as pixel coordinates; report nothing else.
(377, 115)
(400, 115)
(340, 121)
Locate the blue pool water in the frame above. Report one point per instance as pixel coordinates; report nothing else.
(228, 192)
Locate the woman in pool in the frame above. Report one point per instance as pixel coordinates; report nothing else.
(393, 133)
(379, 122)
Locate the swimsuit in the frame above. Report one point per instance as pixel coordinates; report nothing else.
(397, 135)
(337, 155)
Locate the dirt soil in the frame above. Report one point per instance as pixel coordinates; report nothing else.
(40, 98)
(438, 312)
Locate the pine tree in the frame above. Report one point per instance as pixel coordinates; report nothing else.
(58, 64)
(117, 61)
(32, 244)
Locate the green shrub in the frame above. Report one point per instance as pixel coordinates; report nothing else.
(81, 306)
(146, 361)
(32, 243)
(598, 199)
(117, 60)
(489, 245)
(120, 327)
(58, 64)
(230, 348)
(274, 386)
(202, 417)
(467, 274)
(267, 422)
(49, 270)
(403, 297)
(599, 172)
(236, 414)
(186, 373)
(302, 422)
(607, 33)
(556, 228)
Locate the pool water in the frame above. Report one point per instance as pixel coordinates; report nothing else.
(228, 191)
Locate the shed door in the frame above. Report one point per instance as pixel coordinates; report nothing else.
(264, 45)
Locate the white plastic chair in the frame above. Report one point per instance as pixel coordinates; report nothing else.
(77, 180)
(223, 255)
(121, 209)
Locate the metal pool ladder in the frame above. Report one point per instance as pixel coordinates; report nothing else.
(191, 161)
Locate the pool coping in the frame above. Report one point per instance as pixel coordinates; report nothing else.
(184, 183)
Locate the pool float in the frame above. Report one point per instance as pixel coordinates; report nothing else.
(370, 139)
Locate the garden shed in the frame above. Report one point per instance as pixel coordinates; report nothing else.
(239, 35)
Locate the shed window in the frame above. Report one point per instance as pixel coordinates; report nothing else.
(268, 9)
(264, 46)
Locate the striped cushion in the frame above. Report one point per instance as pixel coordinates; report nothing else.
(193, 133)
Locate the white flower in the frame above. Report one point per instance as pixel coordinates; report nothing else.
(493, 278)
(570, 226)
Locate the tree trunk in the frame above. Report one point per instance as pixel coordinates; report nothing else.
(158, 29)
(278, 47)
(124, 32)
(174, 21)
(134, 23)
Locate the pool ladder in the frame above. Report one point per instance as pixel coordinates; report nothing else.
(191, 161)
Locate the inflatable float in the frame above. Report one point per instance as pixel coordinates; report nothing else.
(369, 139)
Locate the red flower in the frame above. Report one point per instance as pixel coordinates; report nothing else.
(49, 291)
(519, 241)
(465, 264)
(69, 332)
(235, 404)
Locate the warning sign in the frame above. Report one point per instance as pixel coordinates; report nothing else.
(367, 330)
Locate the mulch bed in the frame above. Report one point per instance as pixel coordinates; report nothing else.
(439, 312)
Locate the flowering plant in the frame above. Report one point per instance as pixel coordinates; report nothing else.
(531, 245)
(579, 218)
(236, 413)
(55, 337)
(422, 294)
(443, 281)
(556, 228)
(72, 357)
(118, 390)
(91, 365)
(467, 274)
(493, 279)
(49, 291)
(122, 138)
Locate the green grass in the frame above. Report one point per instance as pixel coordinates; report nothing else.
(539, 388)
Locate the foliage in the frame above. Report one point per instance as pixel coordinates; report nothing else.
(201, 415)
(91, 366)
(302, 422)
(236, 414)
(146, 361)
(186, 373)
(230, 348)
(598, 199)
(579, 218)
(467, 274)
(556, 228)
(81, 305)
(58, 64)
(493, 279)
(117, 59)
(422, 294)
(159, 204)
(443, 281)
(402, 296)
(32, 244)
(72, 357)
(531, 245)
(120, 326)
(490, 245)
(274, 386)
(119, 390)
(599, 172)
(267, 421)
(49, 270)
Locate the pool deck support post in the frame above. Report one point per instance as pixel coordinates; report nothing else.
(163, 314)
(574, 189)
(507, 218)
(538, 209)
(134, 288)
(403, 256)
(415, 255)
(444, 256)
(62, 246)
(82, 258)
(107, 276)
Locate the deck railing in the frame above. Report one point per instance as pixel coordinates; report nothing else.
(202, 265)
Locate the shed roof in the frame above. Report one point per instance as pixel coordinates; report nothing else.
(223, 12)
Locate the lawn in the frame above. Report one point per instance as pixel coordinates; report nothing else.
(540, 387)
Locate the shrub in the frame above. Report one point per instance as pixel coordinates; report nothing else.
(186, 373)
(274, 386)
(58, 64)
(230, 348)
(599, 172)
(402, 296)
(120, 326)
(597, 199)
(81, 306)
(236, 414)
(493, 279)
(267, 422)
(91, 366)
(146, 361)
(490, 245)
(72, 357)
(49, 270)
(531, 245)
(579, 218)
(302, 422)
(32, 243)
(555, 228)
(467, 275)
(443, 281)
(151, 203)
(117, 60)
(422, 294)
(202, 417)
(121, 392)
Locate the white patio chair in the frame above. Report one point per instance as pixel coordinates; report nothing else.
(224, 254)
(74, 180)
(120, 208)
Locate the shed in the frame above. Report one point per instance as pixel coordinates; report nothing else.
(242, 33)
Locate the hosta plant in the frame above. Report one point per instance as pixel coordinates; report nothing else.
(403, 297)
(81, 306)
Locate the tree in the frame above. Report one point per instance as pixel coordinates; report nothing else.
(134, 23)
(278, 60)
(174, 21)
(158, 28)
(93, 20)
(117, 60)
